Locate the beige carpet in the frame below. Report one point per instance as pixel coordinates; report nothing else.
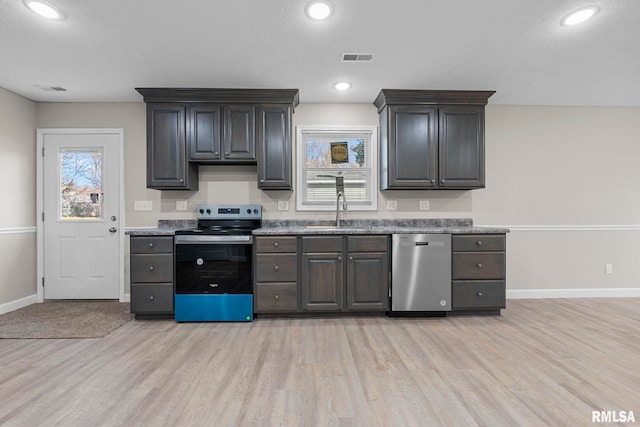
(65, 319)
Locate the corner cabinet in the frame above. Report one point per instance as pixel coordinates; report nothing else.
(188, 127)
(431, 139)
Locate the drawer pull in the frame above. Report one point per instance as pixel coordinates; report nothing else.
(276, 297)
(151, 268)
(151, 297)
(479, 243)
(339, 257)
(479, 294)
(276, 268)
(350, 258)
(275, 244)
(479, 265)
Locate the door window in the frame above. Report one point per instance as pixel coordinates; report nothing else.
(81, 193)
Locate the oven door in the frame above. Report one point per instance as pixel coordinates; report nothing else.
(213, 264)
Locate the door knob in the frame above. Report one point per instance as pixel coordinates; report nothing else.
(113, 230)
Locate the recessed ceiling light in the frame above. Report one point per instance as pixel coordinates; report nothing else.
(580, 16)
(341, 86)
(44, 9)
(319, 9)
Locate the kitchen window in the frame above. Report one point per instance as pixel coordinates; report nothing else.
(324, 152)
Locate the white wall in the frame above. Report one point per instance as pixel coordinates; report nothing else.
(546, 167)
(17, 215)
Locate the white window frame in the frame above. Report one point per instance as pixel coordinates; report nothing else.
(302, 131)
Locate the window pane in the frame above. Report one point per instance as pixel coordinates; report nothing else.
(80, 184)
(336, 153)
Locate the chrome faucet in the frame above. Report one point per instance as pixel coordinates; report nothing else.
(344, 206)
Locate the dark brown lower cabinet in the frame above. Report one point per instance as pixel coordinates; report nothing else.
(478, 273)
(322, 287)
(151, 272)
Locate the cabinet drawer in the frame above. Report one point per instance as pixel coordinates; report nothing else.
(151, 297)
(322, 244)
(276, 268)
(478, 294)
(478, 242)
(367, 243)
(478, 265)
(276, 244)
(151, 268)
(151, 245)
(276, 297)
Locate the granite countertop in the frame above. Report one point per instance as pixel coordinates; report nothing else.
(166, 227)
(378, 226)
(375, 226)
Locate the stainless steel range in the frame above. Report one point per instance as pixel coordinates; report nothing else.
(213, 265)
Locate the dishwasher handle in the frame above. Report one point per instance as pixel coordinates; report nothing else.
(429, 243)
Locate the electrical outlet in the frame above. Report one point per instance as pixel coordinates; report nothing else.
(283, 205)
(608, 268)
(424, 205)
(392, 205)
(143, 205)
(181, 205)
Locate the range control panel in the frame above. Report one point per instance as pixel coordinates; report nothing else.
(229, 211)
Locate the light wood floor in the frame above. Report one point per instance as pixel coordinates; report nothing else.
(543, 362)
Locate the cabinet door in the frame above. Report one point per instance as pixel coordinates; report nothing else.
(167, 163)
(368, 281)
(322, 282)
(239, 133)
(461, 139)
(412, 146)
(204, 132)
(274, 147)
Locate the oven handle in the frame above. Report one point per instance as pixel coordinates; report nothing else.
(214, 240)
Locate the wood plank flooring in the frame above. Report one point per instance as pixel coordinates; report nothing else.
(543, 362)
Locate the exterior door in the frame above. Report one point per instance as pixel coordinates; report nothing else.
(81, 214)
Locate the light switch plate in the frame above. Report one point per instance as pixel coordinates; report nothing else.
(608, 268)
(283, 205)
(143, 205)
(424, 205)
(181, 205)
(392, 205)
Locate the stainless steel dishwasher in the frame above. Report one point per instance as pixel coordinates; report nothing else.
(421, 273)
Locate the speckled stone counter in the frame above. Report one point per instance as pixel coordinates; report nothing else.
(377, 226)
(166, 227)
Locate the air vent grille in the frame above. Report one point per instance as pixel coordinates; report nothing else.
(51, 88)
(357, 57)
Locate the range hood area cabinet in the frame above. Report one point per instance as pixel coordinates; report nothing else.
(188, 127)
(431, 139)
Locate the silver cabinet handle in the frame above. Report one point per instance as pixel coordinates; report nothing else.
(339, 257)
(151, 268)
(151, 297)
(150, 245)
(479, 265)
(275, 244)
(479, 294)
(182, 181)
(350, 258)
(262, 180)
(479, 243)
(216, 154)
(276, 268)
(226, 153)
(276, 297)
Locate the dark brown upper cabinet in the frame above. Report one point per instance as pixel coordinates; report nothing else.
(187, 127)
(274, 147)
(168, 167)
(431, 139)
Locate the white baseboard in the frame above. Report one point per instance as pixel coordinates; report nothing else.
(126, 298)
(19, 303)
(573, 293)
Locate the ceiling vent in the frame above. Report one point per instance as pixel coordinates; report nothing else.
(51, 88)
(357, 57)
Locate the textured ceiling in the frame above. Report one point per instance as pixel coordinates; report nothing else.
(104, 49)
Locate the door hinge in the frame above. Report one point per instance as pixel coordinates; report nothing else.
(42, 216)
(43, 282)
(42, 151)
